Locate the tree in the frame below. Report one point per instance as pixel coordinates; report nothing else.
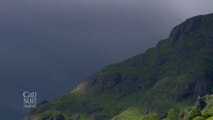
(172, 115)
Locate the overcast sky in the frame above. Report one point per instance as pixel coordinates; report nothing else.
(49, 46)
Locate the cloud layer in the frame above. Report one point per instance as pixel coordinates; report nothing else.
(49, 46)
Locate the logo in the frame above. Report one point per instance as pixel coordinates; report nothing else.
(29, 99)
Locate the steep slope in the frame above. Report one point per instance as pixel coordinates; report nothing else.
(170, 75)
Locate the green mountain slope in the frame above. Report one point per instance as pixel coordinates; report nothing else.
(166, 77)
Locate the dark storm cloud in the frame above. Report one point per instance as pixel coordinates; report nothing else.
(49, 46)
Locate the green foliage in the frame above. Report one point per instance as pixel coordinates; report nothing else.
(199, 118)
(197, 113)
(132, 113)
(208, 110)
(152, 116)
(210, 118)
(193, 114)
(172, 115)
(49, 115)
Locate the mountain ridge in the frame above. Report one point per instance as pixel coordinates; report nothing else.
(170, 75)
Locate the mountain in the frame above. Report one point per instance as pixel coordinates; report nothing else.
(168, 77)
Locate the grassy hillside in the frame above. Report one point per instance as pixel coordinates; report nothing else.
(166, 78)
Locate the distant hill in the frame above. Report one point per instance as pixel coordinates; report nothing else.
(166, 78)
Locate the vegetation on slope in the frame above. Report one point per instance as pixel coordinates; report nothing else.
(165, 78)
